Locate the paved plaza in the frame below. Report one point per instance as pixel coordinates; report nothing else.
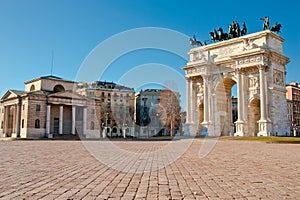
(42, 169)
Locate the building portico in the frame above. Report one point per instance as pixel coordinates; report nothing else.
(46, 108)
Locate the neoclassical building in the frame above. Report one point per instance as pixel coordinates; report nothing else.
(115, 109)
(46, 107)
(254, 62)
(157, 112)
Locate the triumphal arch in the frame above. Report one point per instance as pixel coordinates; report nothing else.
(256, 65)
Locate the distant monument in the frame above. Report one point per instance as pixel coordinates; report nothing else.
(256, 63)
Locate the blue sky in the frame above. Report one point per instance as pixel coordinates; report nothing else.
(32, 29)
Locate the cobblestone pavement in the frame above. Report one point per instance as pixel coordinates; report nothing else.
(232, 170)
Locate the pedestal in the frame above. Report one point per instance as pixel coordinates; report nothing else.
(190, 129)
(239, 128)
(264, 128)
(205, 127)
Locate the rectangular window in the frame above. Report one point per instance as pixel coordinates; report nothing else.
(38, 108)
(22, 123)
(37, 123)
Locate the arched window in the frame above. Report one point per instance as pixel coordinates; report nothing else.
(37, 123)
(58, 88)
(92, 125)
(32, 88)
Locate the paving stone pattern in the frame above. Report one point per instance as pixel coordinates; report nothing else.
(232, 170)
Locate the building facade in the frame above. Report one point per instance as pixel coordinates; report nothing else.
(115, 115)
(47, 107)
(293, 102)
(254, 62)
(157, 112)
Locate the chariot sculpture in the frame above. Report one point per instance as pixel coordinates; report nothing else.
(234, 31)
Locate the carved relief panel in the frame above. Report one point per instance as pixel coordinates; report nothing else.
(278, 78)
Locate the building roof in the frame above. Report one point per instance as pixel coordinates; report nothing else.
(18, 92)
(51, 77)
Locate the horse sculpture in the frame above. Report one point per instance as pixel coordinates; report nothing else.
(276, 27)
(222, 36)
(244, 30)
(214, 35)
(234, 30)
(194, 42)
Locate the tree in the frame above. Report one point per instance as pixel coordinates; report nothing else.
(170, 105)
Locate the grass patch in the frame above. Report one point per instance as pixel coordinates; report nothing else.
(267, 139)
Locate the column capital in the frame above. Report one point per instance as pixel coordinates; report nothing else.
(262, 67)
(240, 70)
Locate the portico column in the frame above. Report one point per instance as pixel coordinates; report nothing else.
(14, 126)
(61, 115)
(73, 119)
(6, 114)
(18, 119)
(84, 121)
(48, 112)
(239, 122)
(14, 119)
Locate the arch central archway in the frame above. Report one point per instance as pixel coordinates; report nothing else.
(254, 116)
(224, 118)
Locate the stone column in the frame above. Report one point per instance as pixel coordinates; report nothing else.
(48, 113)
(206, 107)
(6, 115)
(84, 121)
(61, 116)
(263, 122)
(240, 97)
(188, 112)
(262, 93)
(73, 119)
(192, 101)
(239, 122)
(14, 128)
(190, 128)
(18, 119)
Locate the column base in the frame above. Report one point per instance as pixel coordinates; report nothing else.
(14, 135)
(104, 133)
(205, 127)
(239, 128)
(264, 128)
(190, 129)
(49, 135)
